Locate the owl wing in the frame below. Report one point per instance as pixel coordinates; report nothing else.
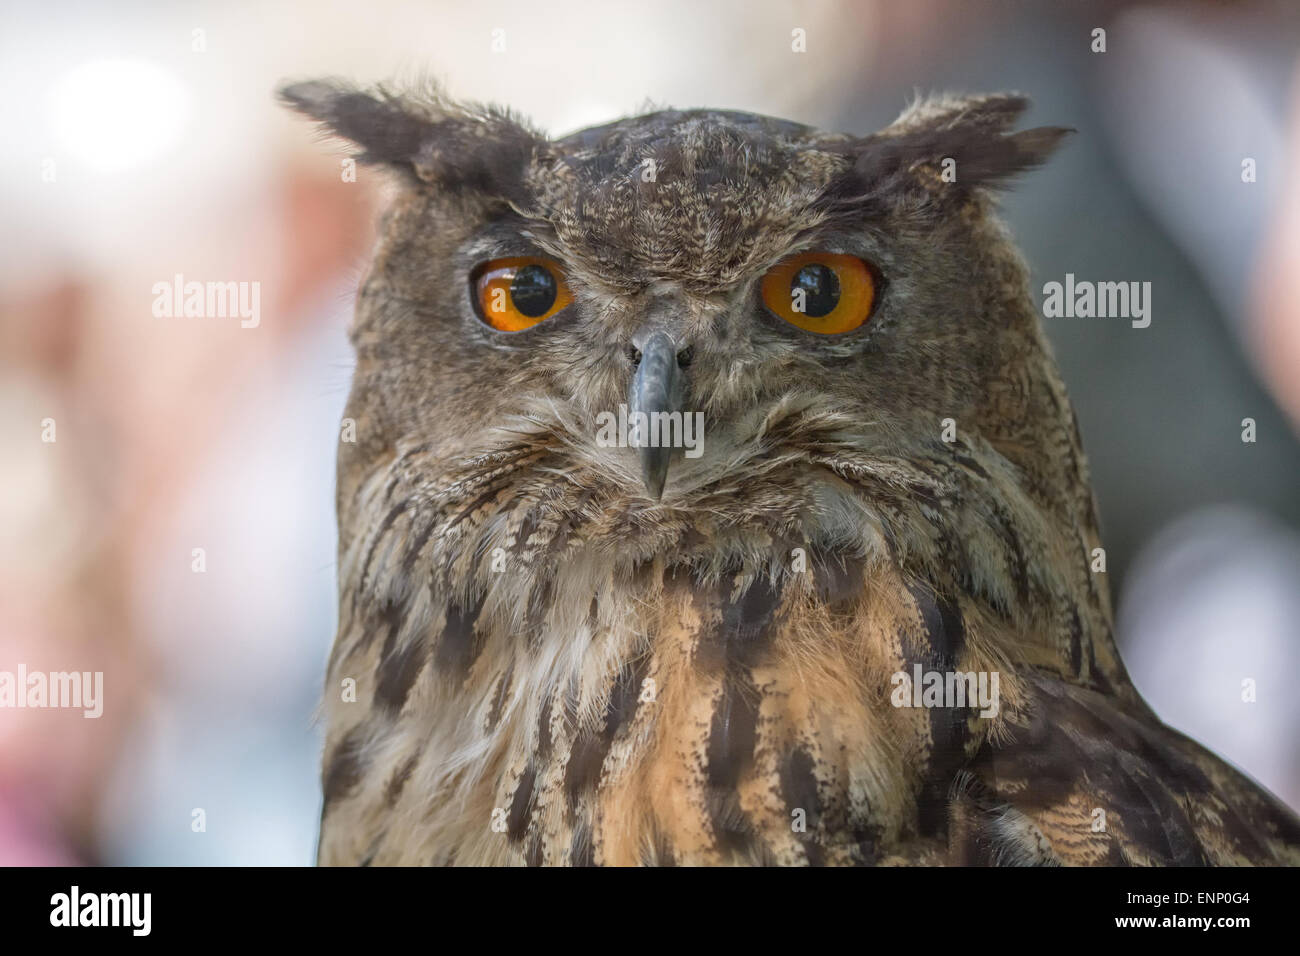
(1086, 778)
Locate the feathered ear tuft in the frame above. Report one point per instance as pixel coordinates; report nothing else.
(387, 128)
(994, 112)
(959, 141)
(450, 145)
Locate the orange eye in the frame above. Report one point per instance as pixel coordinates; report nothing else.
(821, 292)
(516, 293)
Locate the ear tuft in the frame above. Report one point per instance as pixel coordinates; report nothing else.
(946, 111)
(387, 128)
(446, 144)
(972, 131)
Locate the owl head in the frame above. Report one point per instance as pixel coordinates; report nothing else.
(823, 305)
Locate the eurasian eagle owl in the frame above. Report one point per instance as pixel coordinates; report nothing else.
(850, 620)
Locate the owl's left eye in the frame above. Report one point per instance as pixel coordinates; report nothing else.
(822, 292)
(516, 293)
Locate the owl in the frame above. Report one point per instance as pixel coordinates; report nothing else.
(714, 499)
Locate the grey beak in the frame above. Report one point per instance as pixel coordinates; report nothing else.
(659, 387)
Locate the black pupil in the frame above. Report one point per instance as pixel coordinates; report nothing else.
(533, 291)
(821, 289)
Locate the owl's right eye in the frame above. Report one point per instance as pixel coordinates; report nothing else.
(516, 293)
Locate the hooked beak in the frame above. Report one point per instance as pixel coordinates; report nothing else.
(659, 387)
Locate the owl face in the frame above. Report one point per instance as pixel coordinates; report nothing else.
(796, 290)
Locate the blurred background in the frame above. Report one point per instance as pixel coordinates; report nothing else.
(142, 141)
